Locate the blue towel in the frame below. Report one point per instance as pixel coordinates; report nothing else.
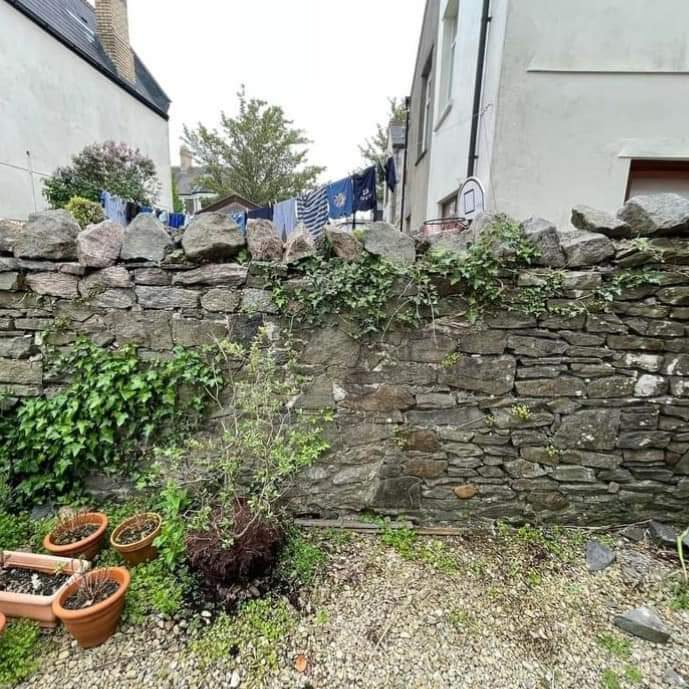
(341, 198)
(365, 198)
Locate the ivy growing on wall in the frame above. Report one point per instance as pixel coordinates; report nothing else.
(371, 294)
(115, 407)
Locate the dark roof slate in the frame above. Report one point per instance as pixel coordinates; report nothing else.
(73, 22)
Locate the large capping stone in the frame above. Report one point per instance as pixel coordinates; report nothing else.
(53, 284)
(585, 248)
(224, 274)
(99, 246)
(9, 231)
(384, 240)
(212, 237)
(167, 297)
(489, 375)
(49, 235)
(145, 239)
(544, 236)
(263, 242)
(299, 245)
(592, 220)
(656, 215)
(343, 242)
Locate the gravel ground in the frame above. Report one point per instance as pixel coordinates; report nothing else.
(506, 615)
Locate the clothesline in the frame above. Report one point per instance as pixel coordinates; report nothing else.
(314, 209)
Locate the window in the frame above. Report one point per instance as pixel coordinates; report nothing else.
(450, 23)
(658, 176)
(448, 207)
(426, 110)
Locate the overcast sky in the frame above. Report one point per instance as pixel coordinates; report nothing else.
(331, 65)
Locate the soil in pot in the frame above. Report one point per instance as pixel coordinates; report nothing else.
(73, 533)
(137, 530)
(31, 582)
(88, 596)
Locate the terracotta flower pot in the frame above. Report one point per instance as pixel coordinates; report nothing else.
(143, 550)
(35, 607)
(87, 547)
(3, 622)
(94, 625)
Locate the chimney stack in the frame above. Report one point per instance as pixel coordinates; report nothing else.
(186, 161)
(113, 31)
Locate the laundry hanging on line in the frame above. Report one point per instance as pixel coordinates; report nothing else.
(365, 198)
(261, 214)
(285, 218)
(114, 207)
(312, 209)
(341, 198)
(391, 174)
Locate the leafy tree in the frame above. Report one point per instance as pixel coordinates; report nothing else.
(177, 202)
(374, 149)
(113, 167)
(259, 154)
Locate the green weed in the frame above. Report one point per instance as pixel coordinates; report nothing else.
(19, 652)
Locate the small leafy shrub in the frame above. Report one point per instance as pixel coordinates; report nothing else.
(432, 552)
(116, 406)
(679, 596)
(265, 443)
(402, 540)
(85, 212)
(255, 634)
(19, 652)
(301, 560)
(15, 531)
(172, 538)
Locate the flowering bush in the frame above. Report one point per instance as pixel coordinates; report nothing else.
(84, 211)
(109, 166)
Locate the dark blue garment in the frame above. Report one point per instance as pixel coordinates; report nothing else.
(365, 190)
(146, 209)
(341, 198)
(261, 214)
(239, 217)
(176, 220)
(391, 174)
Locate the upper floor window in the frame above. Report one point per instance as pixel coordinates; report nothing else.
(449, 52)
(426, 109)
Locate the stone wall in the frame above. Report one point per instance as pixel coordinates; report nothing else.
(582, 418)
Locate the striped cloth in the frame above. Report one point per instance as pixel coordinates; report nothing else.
(313, 211)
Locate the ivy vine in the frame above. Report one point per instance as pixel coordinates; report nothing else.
(116, 406)
(371, 294)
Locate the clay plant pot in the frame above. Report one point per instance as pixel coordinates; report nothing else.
(94, 625)
(86, 548)
(143, 550)
(35, 607)
(3, 622)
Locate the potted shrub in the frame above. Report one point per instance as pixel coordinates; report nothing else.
(133, 538)
(91, 606)
(80, 535)
(29, 584)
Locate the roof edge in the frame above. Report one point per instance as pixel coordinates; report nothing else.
(112, 77)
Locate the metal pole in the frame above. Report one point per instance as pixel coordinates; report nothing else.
(407, 102)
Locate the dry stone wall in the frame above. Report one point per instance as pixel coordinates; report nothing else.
(581, 418)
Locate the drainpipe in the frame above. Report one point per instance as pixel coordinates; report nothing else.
(478, 89)
(407, 103)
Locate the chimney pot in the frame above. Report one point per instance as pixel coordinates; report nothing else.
(185, 157)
